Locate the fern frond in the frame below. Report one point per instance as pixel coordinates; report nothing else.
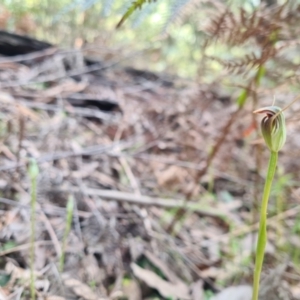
(239, 66)
(107, 7)
(65, 10)
(82, 4)
(218, 25)
(181, 10)
(87, 4)
(135, 5)
(176, 12)
(146, 11)
(261, 25)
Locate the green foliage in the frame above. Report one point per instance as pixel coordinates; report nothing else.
(294, 249)
(8, 245)
(242, 98)
(283, 183)
(260, 74)
(189, 27)
(70, 208)
(208, 294)
(241, 25)
(176, 12)
(33, 172)
(4, 278)
(135, 5)
(262, 233)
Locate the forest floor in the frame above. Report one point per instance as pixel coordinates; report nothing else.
(129, 148)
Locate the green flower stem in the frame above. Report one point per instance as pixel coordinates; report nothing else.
(33, 172)
(70, 208)
(262, 234)
(32, 237)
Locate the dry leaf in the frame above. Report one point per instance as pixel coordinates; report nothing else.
(6, 98)
(296, 291)
(171, 176)
(64, 89)
(16, 272)
(7, 153)
(165, 288)
(132, 290)
(241, 292)
(25, 24)
(91, 270)
(103, 179)
(211, 272)
(79, 288)
(85, 171)
(197, 290)
(27, 112)
(3, 294)
(5, 16)
(163, 268)
(42, 285)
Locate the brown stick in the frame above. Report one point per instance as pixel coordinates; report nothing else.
(145, 200)
(181, 211)
(92, 150)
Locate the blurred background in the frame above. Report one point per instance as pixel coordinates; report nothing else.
(140, 112)
(172, 35)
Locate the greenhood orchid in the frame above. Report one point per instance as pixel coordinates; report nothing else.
(273, 127)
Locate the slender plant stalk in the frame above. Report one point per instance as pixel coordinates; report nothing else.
(262, 235)
(279, 210)
(273, 129)
(70, 208)
(33, 172)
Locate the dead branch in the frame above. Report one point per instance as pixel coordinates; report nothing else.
(145, 200)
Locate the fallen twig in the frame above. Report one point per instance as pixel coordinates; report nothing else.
(29, 56)
(146, 200)
(82, 111)
(77, 72)
(25, 247)
(247, 229)
(91, 150)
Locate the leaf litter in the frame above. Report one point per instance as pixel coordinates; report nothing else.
(127, 147)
